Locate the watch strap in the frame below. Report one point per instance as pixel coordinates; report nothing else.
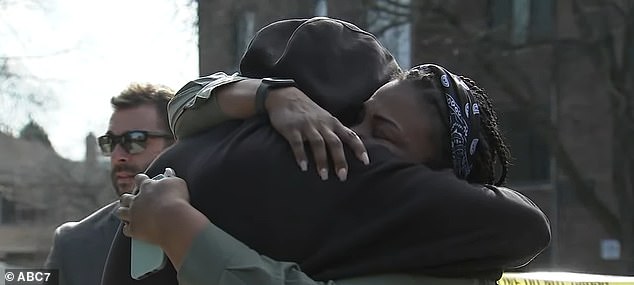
(263, 91)
(260, 97)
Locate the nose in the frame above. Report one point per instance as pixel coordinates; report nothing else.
(119, 154)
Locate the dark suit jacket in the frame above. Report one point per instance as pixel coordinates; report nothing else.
(80, 248)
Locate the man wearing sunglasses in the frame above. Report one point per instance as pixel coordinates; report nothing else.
(137, 132)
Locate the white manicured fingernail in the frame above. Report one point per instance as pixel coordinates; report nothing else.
(303, 165)
(323, 173)
(342, 174)
(365, 159)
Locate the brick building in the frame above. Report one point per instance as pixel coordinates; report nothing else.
(553, 105)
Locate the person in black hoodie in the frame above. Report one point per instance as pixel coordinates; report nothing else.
(395, 215)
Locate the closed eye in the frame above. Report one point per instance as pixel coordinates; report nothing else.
(380, 134)
(386, 121)
(381, 129)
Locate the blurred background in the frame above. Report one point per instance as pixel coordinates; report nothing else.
(561, 74)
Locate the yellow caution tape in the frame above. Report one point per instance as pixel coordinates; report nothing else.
(563, 278)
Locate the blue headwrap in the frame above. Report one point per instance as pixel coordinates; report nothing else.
(464, 118)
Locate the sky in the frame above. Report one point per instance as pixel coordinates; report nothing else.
(74, 55)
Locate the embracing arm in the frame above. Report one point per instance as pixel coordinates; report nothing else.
(195, 107)
(522, 234)
(206, 102)
(205, 254)
(201, 252)
(475, 228)
(215, 257)
(210, 100)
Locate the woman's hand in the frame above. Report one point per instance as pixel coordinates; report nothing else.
(141, 213)
(299, 119)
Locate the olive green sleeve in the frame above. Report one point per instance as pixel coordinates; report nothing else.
(194, 108)
(216, 257)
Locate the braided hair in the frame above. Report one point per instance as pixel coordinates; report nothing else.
(491, 146)
(495, 147)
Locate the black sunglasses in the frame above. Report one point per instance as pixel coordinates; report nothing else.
(132, 141)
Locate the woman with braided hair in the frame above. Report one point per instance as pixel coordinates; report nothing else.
(403, 211)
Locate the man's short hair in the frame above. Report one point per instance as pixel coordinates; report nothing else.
(139, 94)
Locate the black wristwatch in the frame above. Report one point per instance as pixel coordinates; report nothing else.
(263, 91)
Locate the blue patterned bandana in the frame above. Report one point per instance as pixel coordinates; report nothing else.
(464, 118)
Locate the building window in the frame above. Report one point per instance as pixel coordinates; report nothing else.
(521, 20)
(321, 8)
(7, 210)
(500, 18)
(390, 21)
(542, 20)
(245, 30)
(530, 154)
